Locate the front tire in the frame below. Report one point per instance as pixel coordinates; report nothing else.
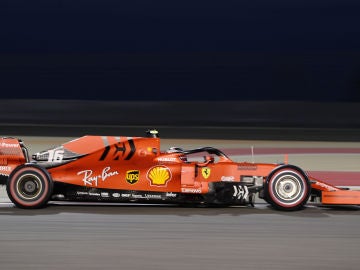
(287, 188)
(29, 186)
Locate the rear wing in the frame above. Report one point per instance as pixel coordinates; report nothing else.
(12, 154)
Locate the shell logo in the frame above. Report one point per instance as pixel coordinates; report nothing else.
(159, 175)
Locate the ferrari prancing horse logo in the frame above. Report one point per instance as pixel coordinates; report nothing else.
(205, 172)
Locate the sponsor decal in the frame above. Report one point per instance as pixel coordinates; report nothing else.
(152, 196)
(132, 176)
(5, 168)
(330, 188)
(82, 193)
(159, 175)
(171, 195)
(227, 178)
(247, 167)
(205, 172)
(90, 179)
(9, 145)
(116, 195)
(146, 196)
(105, 194)
(191, 190)
(7, 150)
(168, 159)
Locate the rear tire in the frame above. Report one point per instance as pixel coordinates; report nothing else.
(29, 186)
(287, 188)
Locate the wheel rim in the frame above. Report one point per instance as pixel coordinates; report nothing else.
(288, 188)
(29, 186)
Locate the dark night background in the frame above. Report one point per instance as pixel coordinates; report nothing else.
(180, 50)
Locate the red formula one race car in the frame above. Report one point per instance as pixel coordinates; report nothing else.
(134, 169)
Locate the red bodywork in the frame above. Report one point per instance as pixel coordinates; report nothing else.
(137, 164)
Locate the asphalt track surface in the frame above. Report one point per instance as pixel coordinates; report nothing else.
(110, 236)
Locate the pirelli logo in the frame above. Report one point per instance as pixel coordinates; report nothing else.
(132, 177)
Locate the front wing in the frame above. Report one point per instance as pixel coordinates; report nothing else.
(341, 197)
(332, 195)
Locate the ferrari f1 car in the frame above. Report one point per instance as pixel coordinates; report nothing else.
(135, 169)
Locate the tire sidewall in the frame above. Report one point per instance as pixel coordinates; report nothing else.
(44, 180)
(271, 193)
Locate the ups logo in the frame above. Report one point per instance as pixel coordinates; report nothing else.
(132, 177)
